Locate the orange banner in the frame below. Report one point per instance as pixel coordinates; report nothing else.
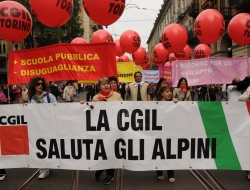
(63, 62)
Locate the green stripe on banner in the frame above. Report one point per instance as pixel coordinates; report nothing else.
(215, 124)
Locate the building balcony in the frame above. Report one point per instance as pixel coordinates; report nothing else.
(3, 70)
(193, 9)
(3, 54)
(242, 4)
(207, 4)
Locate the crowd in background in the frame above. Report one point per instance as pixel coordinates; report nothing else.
(63, 90)
(68, 90)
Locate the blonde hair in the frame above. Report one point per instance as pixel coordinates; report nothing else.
(101, 80)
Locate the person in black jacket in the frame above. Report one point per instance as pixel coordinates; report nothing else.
(54, 90)
(241, 85)
(212, 92)
(92, 91)
(203, 92)
(88, 92)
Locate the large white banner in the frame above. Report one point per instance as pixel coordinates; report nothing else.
(131, 135)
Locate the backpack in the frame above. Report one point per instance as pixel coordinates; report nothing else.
(48, 98)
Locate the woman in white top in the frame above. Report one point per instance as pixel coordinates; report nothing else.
(39, 92)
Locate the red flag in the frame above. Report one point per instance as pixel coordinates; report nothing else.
(63, 62)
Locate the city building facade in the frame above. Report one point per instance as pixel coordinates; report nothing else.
(88, 25)
(5, 48)
(184, 12)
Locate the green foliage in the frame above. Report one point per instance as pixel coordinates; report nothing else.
(44, 35)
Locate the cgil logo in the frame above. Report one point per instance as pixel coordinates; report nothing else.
(13, 135)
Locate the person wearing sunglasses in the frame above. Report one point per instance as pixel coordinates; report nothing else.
(39, 92)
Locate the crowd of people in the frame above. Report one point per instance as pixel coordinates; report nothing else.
(63, 90)
(68, 90)
(108, 89)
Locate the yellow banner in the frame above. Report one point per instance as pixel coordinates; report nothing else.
(125, 71)
(87, 81)
(138, 68)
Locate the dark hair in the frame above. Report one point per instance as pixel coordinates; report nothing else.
(234, 81)
(179, 83)
(162, 89)
(32, 84)
(113, 78)
(160, 81)
(69, 82)
(137, 72)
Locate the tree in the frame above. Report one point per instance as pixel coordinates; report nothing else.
(44, 35)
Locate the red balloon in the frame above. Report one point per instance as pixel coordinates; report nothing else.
(183, 54)
(172, 57)
(145, 60)
(209, 26)
(52, 13)
(156, 62)
(167, 64)
(160, 53)
(239, 30)
(138, 56)
(118, 50)
(104, 12)
(79, 40)
(202, 51)
(16, 21)
(146, 67)
(130, 41)
(123, 58)
(101, 36)
(174, 37)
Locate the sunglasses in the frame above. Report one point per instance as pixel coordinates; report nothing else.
(38, 84)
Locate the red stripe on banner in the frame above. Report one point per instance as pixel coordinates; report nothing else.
(248, 107)
(14, 140)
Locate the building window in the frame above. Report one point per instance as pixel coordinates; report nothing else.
(227, 3)
(4, 48)
(2, 64)
(215, 47)
(16, 47)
